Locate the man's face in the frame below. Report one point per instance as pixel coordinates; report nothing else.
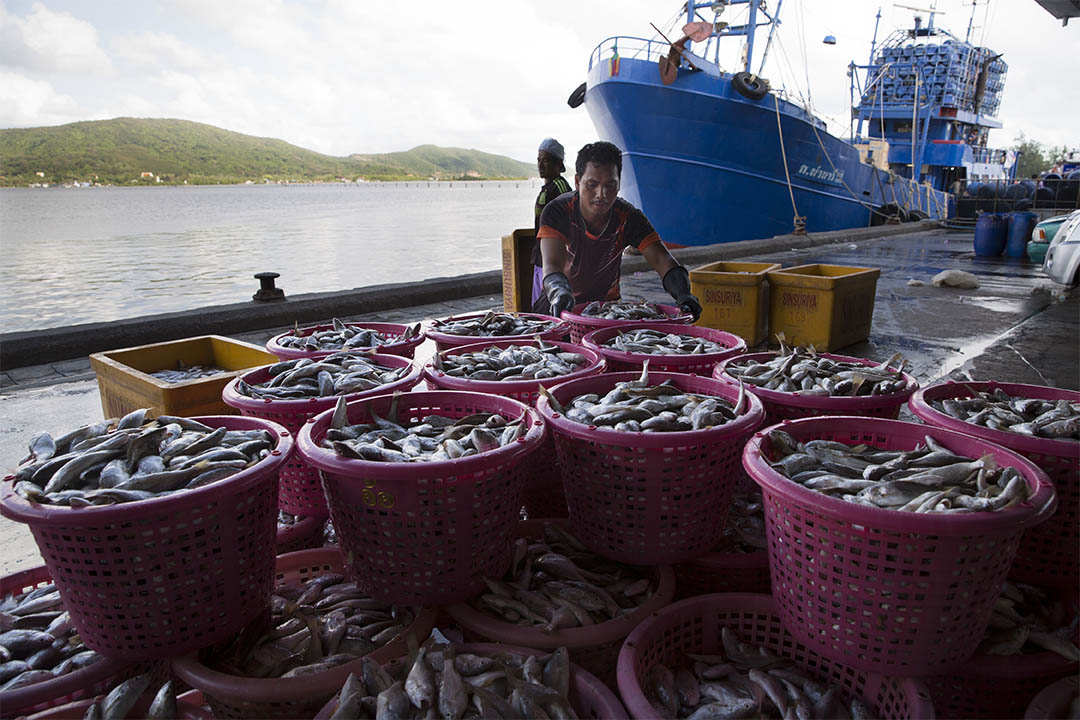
(548, 165)
(598, 187)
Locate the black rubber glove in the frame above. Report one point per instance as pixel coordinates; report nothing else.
(559, 295)
(677, 283)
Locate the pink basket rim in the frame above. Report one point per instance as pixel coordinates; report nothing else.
(564, 392)
(840, 404)
(315, 405)
(637, 703)
(675, 315)
(33, 695)
(733, 344)
(1053, 700)
(558, 330)
(15, 507)
(612, 630)
(595, 365)
(274, 346)
(265, 690)
(580, 679)
(327, 460)
(1036, 509)
(921, 408)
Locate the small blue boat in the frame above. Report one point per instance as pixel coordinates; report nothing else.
(714, 156)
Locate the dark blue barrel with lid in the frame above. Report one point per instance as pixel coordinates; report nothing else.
(1020, 226)
(990, 234)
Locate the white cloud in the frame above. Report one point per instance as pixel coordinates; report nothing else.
(341, 76)
(25, 102)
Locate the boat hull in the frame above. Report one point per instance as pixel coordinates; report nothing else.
(705, 163)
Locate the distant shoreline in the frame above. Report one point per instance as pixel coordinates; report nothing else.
(90, 186)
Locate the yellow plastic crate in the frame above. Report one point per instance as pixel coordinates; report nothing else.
(517, 270)
(734, 297)
(125, 385)
(827, 306)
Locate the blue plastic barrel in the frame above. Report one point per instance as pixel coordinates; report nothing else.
(991, 232)
(1020, 226)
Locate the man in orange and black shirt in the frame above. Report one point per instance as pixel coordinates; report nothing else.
(582, 236)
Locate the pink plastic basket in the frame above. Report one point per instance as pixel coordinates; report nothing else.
(404, 348)
(589, 697)
(544, 496)
(425, 533)
(695, 625)
(595, 648)
(189, 706)
(232, 696)
(723, 572)
(161, 577)
(883, 590)
(446, 341)
(702, 364)
(300, 491)
(649, 498)
(93, 680)
(791, 405)
(582, 325)
(1048, 554)
(1053, 701)
(303, 534)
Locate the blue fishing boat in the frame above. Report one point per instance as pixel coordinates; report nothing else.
(716, 156)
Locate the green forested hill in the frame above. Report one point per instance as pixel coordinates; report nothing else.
(118, 151)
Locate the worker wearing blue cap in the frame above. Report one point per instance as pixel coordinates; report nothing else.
(549, 161)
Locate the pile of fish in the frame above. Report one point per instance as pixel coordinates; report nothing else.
(443, 683)
(344, 337)
(555, 583)
(637, 406)
(37, 639)
(118, 461)
(745, 681)
(802, 370)
(744, 532)
(495, 324)
(122, 698)
(313, 627)
(516, 362)
(182, 374)
(1026, 619)
(998, 410)
(654, 342)
(929, 479)
(624, 310)
(434, 438)
(338, 374)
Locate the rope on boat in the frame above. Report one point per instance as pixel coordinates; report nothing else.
(799, 221)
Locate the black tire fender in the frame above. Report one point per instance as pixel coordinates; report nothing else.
(917, 215)
(577, 97)
(750, 86)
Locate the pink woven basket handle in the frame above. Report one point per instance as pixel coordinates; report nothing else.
(1036, 509)
(404, 347)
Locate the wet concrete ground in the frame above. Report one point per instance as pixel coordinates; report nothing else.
(1010, 328)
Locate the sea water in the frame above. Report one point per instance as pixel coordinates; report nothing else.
(79, 255)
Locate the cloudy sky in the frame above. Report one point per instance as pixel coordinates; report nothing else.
(345, 76)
